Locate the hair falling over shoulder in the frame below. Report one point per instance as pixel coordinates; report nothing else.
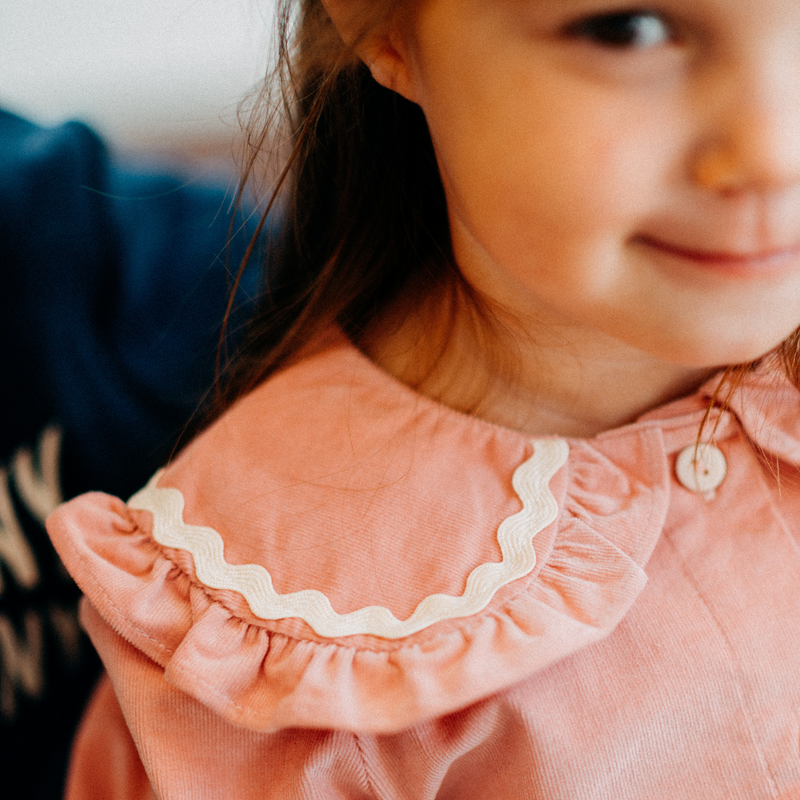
(361, 208)
(358, 195)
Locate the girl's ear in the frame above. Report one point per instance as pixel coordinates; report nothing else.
(382, 44)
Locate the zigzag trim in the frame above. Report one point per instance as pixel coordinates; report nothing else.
(515, 536)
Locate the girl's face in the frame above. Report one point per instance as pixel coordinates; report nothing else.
(623, 172)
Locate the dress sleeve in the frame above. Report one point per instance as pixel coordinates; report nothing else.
(178, 749)
(104, 730)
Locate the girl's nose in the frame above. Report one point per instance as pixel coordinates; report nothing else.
(752, 140)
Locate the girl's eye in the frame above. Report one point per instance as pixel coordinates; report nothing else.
(638, 28)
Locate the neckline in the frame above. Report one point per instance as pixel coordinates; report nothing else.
(682, 408)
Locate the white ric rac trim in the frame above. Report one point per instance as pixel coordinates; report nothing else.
(539, 509)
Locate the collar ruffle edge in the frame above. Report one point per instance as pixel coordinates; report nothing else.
(271, 674)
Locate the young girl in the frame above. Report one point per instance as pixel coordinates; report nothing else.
(493, 516)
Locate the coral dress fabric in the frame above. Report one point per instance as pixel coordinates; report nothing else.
(647, 648)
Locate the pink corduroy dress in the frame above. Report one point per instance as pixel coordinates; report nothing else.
(345, 590)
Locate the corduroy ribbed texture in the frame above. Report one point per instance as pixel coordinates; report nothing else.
(650, 654)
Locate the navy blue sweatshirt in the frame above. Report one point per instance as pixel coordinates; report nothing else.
(113, 284)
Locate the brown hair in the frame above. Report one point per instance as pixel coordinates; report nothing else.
(361, 203)
(362, 208)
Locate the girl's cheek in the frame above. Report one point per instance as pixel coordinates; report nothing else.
(524, 150)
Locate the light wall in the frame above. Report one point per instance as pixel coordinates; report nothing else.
(140, 71)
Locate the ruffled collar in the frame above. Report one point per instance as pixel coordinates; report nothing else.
(293, 549)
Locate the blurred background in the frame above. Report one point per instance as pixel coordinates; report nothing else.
(156, 77)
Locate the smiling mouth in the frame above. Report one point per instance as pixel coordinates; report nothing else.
(765, 261)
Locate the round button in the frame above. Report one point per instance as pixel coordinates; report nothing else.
(701, 468)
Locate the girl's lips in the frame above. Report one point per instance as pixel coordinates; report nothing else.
(743, 263)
